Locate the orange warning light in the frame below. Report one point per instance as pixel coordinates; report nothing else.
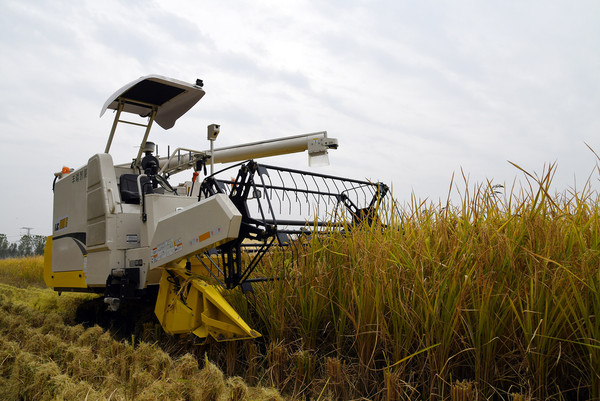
(66, 170)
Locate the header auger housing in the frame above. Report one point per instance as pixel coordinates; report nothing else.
(124, 231)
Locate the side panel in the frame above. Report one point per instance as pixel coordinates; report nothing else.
(103, 207)
(159, 206)
(69, 222)
(102, 201)
(140, 258)
(64, 279)
(193, 229)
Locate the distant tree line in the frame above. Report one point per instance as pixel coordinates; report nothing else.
(28, 245)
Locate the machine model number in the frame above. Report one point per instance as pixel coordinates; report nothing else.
(61, 223)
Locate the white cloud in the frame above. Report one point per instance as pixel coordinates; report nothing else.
(413, 91)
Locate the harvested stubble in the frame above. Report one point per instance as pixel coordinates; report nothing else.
(42, 358)
(502, 290)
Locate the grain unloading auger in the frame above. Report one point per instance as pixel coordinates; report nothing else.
(125, 232)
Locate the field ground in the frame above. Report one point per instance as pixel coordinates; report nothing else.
(45, 354)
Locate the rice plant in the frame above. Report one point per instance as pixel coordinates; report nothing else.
(500, 290)
(23, 272)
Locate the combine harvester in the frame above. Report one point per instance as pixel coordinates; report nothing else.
(124, 231)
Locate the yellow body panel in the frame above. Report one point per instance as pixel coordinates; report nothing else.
(68, 279)
(197, 307)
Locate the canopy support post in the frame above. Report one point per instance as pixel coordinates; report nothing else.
(114, 126)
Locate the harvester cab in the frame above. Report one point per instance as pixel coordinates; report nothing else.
(126, 232)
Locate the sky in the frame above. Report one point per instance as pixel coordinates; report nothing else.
(415, 92)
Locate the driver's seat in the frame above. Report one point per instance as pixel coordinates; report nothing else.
(129, 189)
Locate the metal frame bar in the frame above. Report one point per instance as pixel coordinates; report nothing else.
(114, 126)
(211, 272)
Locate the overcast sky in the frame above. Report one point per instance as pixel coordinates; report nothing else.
(414, 91)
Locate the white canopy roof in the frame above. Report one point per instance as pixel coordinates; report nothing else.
(171, 97)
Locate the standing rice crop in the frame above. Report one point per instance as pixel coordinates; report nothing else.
(23, 272)
(501, 290)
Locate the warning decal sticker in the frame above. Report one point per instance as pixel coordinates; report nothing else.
(166, 249)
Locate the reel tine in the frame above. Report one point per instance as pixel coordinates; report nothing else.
(306, 193)
(282, 199)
